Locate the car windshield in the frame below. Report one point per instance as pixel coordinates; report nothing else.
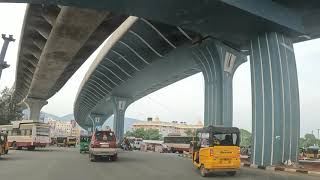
(104, 136)
(84, 139)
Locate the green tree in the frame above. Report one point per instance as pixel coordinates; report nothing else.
(9, 110)
(149, 134)
(188, 132)
(308, 140)
(245, 138)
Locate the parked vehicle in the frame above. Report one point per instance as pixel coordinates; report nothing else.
(61, 141)
(178, 143)
(103, 144)
(312, 152)
(26, 134)
(71, 141)
(4, 147)
(84, 143)
(136, 144)
(217, 149)
(53, 141)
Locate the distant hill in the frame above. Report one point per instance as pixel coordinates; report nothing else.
(47, 116)
(67, 117)
(128, 122)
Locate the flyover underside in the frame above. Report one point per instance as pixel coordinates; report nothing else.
(244, 19)
(54, 43)
(163, 72)
(131, 55)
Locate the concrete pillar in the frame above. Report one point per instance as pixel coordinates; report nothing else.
(120, 105)
(6, 42)
(275, 100)
(35, 106)
(98, 119)
(218, 63)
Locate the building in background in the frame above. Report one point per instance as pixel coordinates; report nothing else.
(167, 128)
(63, 128)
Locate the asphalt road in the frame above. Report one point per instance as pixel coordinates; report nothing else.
(69, 164)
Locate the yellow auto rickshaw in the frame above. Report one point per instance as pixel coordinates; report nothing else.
(217, 149)
(4, 146)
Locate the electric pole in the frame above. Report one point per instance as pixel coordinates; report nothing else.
(7, 40)
(318, 133)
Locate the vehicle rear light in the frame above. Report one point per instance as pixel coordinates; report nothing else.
(95, 144)
(112, 144)
(211, 152)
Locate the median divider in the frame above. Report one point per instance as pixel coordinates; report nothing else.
(280, 168)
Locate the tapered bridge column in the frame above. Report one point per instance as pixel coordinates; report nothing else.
(120, 105)
(218, 63)
(275, 100)
(35, 106)
(98, 119)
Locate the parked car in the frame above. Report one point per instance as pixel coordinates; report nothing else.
(103, 144)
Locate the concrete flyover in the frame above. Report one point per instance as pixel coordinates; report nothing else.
(54, 43)
(265, 30)
(143, 56)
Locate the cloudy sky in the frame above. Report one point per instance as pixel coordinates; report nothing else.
(184, 100)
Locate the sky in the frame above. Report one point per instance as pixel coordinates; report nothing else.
(183, 100)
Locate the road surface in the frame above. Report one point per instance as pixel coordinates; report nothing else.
(69, 164)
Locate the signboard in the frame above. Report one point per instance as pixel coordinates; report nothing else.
(229, 61)
(122, 105)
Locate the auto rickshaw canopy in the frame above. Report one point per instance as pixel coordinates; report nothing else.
(214, 131)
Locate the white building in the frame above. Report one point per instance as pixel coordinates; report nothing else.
(167, 128)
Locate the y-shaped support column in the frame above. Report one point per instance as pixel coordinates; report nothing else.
(120, 105)
(35, 106)
(98, 119)
(218, 63)
(275, 100)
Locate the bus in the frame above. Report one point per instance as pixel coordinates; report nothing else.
(27, 134)
(178, 143)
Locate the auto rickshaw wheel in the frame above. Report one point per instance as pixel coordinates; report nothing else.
(231, 173)
(203, 171)
(6, 151)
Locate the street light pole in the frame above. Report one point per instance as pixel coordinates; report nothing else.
(7, 40)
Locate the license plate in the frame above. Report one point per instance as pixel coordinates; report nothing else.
(225, 161)
(105, 145)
